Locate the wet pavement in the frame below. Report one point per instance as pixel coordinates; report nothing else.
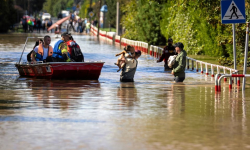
(151, 113)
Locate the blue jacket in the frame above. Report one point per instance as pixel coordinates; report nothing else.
(56, 51)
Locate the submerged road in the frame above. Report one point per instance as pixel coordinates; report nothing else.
(151, 113)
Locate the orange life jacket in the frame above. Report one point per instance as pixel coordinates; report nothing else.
(40, 50)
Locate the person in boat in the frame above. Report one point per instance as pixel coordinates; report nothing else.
(40, 41)
(63, 49)
(168, 51)
(128, 71)
(43, 51)
(180, 63)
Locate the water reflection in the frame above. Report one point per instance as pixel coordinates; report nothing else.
(60, 94)
(127, 93)
(176, 100)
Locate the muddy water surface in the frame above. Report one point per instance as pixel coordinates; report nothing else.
(151, 113)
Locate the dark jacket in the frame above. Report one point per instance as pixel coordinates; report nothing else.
(180, 64)
(167, 51)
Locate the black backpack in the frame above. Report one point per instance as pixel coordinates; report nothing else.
(29, 56)
(76, 54)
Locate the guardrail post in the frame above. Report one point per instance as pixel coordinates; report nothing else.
(238, 80)
(151, 50)
(212, 70)
(207, 70)
(230, 83)
(218, 69)
(216, 82)
(187, 63)
(192, 64)
(224, 69)
(201, 68)
(197, 67)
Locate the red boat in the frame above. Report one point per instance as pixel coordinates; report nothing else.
(60, 70)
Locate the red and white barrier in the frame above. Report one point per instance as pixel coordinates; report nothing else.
(117, 39)
(110, 36)
(218, 78)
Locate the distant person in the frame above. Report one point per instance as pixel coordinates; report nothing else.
(49, 23)
(43, 25)
(168, 50)
(39, 25)
(40, 41)
(180, 63)
(87, 27)
(128, 72)
(95, 22)
(30, 25)
(79, 29)
(43, 52)
(60, 16)
(70, 25)
(24, 24)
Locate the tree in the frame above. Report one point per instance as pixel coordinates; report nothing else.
(7, 15)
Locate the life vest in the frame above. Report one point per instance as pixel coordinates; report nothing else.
(70, 44)
(39, 55)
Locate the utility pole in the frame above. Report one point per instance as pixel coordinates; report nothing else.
(90, 8)
(99, 19)
(117, 19)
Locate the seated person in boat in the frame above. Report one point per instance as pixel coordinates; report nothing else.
(43, 51)
(40, 41)
(128, 71)
(67, 50)
(128, 52)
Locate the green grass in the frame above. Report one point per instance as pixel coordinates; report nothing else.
(108, 30)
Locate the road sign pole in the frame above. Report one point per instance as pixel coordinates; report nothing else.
(234, 52)
(246, 56)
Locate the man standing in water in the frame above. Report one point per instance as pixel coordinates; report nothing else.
(128, 71)
(180, 63)
(168, 51)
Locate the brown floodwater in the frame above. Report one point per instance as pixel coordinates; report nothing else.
(151, 113)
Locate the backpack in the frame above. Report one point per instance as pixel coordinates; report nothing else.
(171, 61)
(76, 54)
(29, 56)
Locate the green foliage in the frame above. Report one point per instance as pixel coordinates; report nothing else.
(54, 7)
(195, 23)
(142, 21)
(84, 9)
(7, 15)
(111, 14)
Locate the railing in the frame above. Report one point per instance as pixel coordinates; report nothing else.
(156, 52)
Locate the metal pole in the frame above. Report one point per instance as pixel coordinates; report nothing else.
(234, 51)
(117, 19)
(23, 50)
(99, 22)
(246, 56)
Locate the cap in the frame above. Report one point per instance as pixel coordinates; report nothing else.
(179, 44)
(66, 33)
(138, 52)
(170, 40)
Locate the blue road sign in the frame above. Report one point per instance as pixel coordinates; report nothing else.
(233, 11)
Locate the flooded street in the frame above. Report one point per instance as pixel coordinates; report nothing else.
(151, 113)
